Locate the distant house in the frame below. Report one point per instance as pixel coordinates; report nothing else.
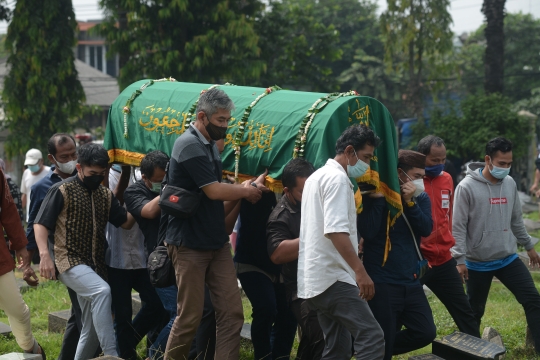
(91, 49)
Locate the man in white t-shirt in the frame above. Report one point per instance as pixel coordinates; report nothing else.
(331, 277)
(35, 172)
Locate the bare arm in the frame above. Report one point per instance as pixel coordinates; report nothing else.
(46, 265)
(122, 184)
(286, 251)
(230, 219)
(230, 192)
(151, 210)
(129, 222)
(23, 200)
(343, 245)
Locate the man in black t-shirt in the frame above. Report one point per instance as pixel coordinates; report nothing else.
(199, 245)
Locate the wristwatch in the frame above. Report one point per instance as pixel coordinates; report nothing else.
(254, 185)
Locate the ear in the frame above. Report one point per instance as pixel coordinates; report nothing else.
(51, 159)
(486, 159)
(78, 167)
(201, 115)
(349, 149)
(286, 190)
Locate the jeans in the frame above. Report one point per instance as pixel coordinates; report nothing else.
(446, 284)
(312, 340)
(517, 278)
(130, 332)
(73, 330)
(343, 313)
(274, 326)
(194, 268)
(17, 312)
(94, 296)
(397, 305)
(204, 344)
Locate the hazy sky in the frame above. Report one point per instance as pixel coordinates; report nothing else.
(466, 13)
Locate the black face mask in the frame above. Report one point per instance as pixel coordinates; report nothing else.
(215, 132)
(92, 182)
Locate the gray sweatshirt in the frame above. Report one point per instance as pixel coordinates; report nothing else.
(487, 218)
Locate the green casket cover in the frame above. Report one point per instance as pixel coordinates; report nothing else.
(157, 116)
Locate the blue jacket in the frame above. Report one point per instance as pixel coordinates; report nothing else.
(400, 267)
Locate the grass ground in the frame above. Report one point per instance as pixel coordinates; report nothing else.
(502, 312)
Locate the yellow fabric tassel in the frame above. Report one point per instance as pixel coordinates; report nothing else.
(388, 246)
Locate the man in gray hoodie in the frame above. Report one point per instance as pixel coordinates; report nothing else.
(486, 223)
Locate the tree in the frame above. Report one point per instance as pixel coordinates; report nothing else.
(41, 91)
(417, 34)
(478, 119)
(200, 41)
(494, 58)
(521, 61)
(296, 47)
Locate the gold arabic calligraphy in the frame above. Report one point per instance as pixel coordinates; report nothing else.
(259, 135)
(361, 114)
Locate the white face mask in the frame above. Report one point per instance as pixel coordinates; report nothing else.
(66, 168)
(419, 183)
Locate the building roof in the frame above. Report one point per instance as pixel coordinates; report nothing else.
(85, 26)
(100, 89)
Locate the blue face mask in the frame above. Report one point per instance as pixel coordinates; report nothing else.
(358, 169)
(33, 168)
(498, 172)
(435, 170)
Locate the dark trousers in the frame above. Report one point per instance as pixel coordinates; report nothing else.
(130, 332)
(312, 340)
(345, 317)
(517, 278)
(73, 330)
(273, 326)
(395, 306)
(446, 284)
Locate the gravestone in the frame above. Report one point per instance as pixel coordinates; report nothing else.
(425, 357)
(460, 346)
(246, 331)
(20, 356)
(58, 321)
(525, 259)
(531, 225)
(4, 329)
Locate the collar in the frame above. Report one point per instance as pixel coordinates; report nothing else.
(333, 163)
(293, 209)
(201, 136)
(53, 174)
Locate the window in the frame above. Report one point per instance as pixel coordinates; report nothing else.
(99, 57)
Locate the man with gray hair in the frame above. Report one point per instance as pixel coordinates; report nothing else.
(199, 246)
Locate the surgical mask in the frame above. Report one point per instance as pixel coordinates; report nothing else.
(66, 168)
(156, 187)
(498, 172)
(435, 170)
(33, 168)
(418, 183)
(358, 169)
(92, 182)
(117, 167)
(215, 132)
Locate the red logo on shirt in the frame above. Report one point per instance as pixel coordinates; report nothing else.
(173, 199)
(498, 201)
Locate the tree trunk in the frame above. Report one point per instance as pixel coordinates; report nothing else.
(494, 56)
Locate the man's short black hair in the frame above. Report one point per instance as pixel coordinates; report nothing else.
(92, 154)
(57, 140)
(294, 169)
(152, 160)
(498, 144)
(358, 136)
(425, 144)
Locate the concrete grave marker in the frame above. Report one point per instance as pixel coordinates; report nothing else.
(460, 346)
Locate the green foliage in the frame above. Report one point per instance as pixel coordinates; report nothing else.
(417, 35)
(197, 41)
(521, 60)
(479, 118)
(297, 47)
(41, 91)
(531, 104)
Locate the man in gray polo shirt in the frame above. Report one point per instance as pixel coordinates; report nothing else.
(199, 246)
